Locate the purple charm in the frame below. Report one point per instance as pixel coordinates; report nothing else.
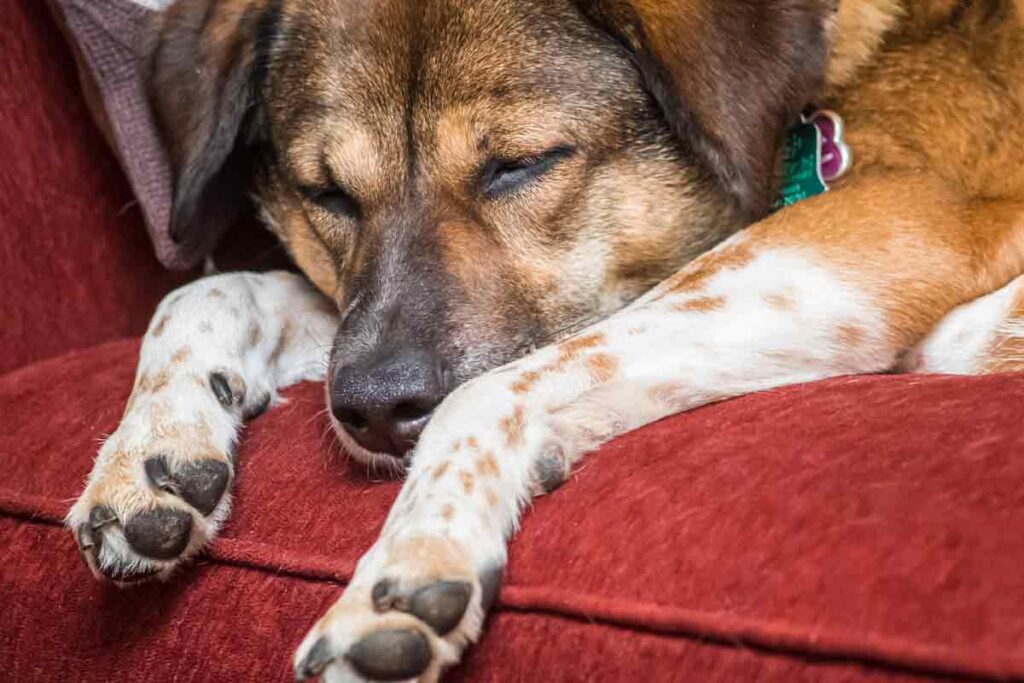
(835, 155)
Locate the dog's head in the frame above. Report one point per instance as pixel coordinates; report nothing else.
(469, 179)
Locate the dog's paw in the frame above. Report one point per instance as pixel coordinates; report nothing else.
(159, 489)
(406, 617)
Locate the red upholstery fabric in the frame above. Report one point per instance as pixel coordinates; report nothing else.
(76, 267)
(859, 529)
(869, 529)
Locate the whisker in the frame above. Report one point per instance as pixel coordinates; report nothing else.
(323, 412)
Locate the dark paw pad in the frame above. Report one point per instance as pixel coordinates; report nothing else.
(315, 662)
(90, 535)
(229, 389)
(390, 655)
(439, 605)
(549, 473)
(257, 408)
(200, 484)
(161, 534)
(490, 582)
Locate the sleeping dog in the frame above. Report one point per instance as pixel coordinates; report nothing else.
(528, 226)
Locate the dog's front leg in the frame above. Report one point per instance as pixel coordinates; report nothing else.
(214, 355)
(817, 291)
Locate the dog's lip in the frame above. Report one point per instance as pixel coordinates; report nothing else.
(378, 461)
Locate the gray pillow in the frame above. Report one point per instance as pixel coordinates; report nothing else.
(108, 40)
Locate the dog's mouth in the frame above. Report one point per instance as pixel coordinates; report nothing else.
(384, 463)
(379, 463)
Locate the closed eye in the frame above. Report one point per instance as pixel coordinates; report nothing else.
(334, 199)
(503, 176)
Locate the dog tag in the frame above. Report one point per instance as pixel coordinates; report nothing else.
(814, 156)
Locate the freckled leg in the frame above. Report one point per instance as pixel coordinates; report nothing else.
(843, 284)
(214, 355)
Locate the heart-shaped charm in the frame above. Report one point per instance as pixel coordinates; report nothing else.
(835, 159)
(814, 155)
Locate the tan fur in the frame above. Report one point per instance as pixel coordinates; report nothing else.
(487, 466)
(859, 28)
(928, 88)
(512, 427)
(701, 304)
(602, 367)
(440, 470)
(160, 325)
(780, 302)
(932, 215)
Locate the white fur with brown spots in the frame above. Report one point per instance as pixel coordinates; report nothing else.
(249, 335)
(747, 316)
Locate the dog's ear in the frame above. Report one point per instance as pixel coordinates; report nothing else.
(205, 69)
(729, 75)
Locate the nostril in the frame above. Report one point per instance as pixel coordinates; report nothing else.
(351, 419)
(410, 411)
(384, 404)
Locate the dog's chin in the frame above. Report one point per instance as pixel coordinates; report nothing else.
(381, 463)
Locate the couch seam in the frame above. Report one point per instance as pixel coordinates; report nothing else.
(753, 633)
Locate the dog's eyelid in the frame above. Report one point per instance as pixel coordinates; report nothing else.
(555, 153)
(334, 198)
(501, 175)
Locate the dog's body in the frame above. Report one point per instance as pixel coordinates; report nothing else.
(499, 177)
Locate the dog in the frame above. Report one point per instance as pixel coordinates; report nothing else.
(529, 226)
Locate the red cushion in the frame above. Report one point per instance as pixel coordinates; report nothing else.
(75, 265)
(867, 528)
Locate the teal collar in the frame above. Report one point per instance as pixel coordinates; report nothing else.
(814, 156)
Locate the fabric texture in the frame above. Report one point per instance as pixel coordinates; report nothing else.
(858, 529)
(75, 265)
(865, 529)
(108, 39)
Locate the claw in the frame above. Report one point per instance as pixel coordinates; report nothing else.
(90, 541)
(385, 596)
(315, 662)
(222, 389)
(100, 517)
(89, 548)
(159, 475)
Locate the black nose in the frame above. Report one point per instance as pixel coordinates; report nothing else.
(385, 404)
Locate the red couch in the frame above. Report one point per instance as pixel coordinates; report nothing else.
(860, 529)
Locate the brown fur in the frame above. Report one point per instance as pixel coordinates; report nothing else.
(487, 466)
(160, 325)
(372, 153)
(512, 427)
(701, 304)
(602, 367)
(781, 302)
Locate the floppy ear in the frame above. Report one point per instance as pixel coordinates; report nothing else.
(730, 76)
(204, 73)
